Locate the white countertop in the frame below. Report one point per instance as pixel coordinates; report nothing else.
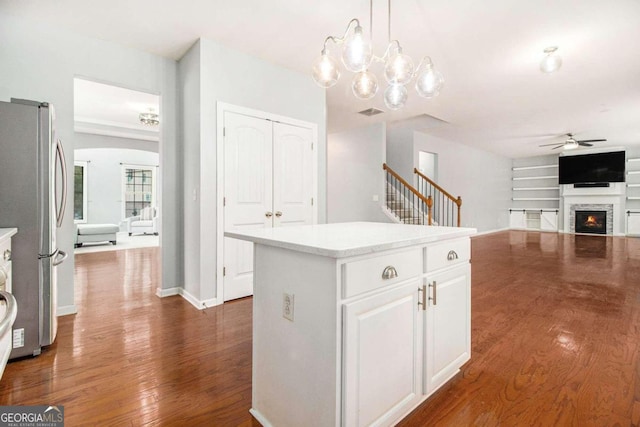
(349, 238)
(5, 233)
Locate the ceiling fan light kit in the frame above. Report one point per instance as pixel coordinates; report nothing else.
(357, 56)
(571, 143)
(551, 61)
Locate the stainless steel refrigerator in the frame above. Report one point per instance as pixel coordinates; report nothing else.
(32, 198)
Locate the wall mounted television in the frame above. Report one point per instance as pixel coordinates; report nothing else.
(592, 168)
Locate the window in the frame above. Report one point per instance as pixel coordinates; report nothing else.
(80, 192)
(139, 188)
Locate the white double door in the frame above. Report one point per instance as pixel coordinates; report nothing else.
(268, 182)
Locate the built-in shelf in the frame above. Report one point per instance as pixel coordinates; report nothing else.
(526, 168)
(526, 178)
(635, 159)
(522, 199)
(633, 198)
(633, 173)
(533, 210)
(630, 185)
(538, 188)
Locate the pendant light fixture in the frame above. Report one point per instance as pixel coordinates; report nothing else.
(552, 61)
(357, 56)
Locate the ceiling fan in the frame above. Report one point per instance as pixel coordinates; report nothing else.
(571, 143)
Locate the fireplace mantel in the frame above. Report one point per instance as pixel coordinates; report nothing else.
(610, 198)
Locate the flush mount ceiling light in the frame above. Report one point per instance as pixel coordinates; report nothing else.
(552, 61)
(150, 118)
(357, 56)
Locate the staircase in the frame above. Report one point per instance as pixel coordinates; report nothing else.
(431, 205)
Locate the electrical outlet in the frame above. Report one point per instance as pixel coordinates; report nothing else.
(287, 306)
(375, 197)
(18, 338)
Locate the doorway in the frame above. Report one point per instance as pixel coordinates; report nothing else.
(428, 164)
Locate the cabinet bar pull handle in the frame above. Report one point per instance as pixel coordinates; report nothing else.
(435, 292)
(389, 273)
(452, 255)
(423, 298)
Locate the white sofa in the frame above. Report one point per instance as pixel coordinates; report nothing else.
(93, 233)
(145, 223)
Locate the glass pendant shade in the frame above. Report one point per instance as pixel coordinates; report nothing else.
(395, 96)
(357, 52)
(365, 85)
(551, 62)
(429, 82)
(399, 68)
(325, 71)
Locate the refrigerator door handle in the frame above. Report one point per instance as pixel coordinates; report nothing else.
(62, 255)
(63, 168)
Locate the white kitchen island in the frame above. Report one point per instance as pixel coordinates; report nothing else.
(356, 324)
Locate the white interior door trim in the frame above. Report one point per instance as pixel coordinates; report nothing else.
(222, 108)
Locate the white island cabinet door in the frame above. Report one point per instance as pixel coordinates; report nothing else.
(382, 356)
(448, 325)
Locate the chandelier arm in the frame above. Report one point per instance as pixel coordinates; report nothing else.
(339, 40)
(425, 59)
(385, 56)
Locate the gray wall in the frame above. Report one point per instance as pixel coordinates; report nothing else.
(104, 180)
(355, 175)
(482, 179)
(189, 87)
(40, 61)
(229, 76)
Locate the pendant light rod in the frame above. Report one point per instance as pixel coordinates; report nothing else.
(389, 22)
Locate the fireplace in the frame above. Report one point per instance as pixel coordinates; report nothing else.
(594, 222)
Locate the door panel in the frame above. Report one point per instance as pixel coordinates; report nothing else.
(448, 330)
(248, 195)
(292, 175)
(382, 351)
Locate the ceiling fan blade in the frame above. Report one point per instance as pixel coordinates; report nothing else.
(548, 145)
(584, 144)
(559, 146)
(591, 140)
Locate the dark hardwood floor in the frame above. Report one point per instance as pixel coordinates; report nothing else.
(555, 341)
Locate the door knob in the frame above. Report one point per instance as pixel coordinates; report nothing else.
(268, 214)
(278, 214)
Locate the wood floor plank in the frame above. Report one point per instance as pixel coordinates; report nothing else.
(555, 342)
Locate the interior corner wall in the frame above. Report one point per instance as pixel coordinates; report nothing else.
(39, 62)
(233, 77)
(481, 178)
(355, 175)
(190, 88)
(399, 151)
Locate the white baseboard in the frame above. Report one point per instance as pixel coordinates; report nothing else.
(200, 305)
(167, 292)
(66, 310)
(260, 418)
(482, 233)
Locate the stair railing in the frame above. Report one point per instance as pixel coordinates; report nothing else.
(410, 201)
(446, 207)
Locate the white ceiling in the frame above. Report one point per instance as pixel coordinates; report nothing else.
(488, 51)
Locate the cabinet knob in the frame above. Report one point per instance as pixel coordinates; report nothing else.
(278, 214)
(268, 214)
(7, 255)
(389, 273)
(452, 255)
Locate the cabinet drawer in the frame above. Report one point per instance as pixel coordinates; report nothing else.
(367, 274)
(448, 253)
